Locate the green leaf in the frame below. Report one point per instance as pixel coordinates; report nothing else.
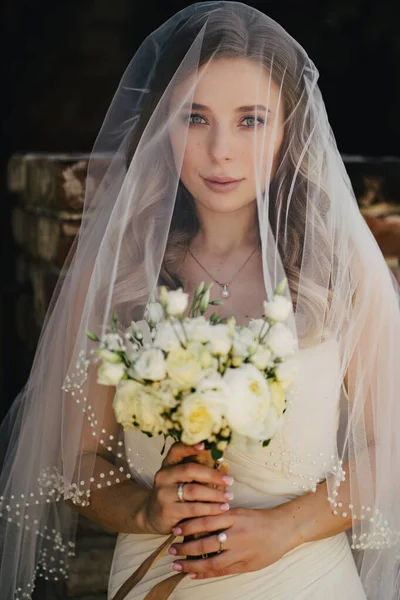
(266, 443)
(215, 453)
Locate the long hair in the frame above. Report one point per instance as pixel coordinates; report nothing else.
(231, 34)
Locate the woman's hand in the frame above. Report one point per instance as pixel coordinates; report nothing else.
(163, 509)
(255, 539)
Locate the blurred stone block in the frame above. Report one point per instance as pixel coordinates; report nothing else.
(55, 181)
(44, 235)
(89, 571)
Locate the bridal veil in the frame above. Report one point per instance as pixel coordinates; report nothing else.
(60, 440)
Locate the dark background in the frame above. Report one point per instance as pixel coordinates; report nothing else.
(63, 61)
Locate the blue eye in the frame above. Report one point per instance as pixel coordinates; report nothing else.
(255, 121)
(196, 119)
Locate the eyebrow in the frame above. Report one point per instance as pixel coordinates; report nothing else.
(247, 108)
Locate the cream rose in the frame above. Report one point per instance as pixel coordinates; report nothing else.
(151, 365)
(197, 329)
(183, 368)
(125, 401)
(199, 418)
(137, 403)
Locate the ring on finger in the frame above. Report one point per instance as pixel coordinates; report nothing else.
(222, 538)
(180, 491)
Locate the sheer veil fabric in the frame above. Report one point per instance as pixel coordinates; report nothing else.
(60, 440)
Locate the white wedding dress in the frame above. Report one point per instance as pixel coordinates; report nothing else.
(321, 570)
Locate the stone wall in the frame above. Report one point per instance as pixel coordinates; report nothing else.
(48, 193)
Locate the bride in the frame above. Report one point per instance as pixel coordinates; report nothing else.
(216, 163)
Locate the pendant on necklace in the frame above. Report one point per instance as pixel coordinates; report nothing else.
(225, 292)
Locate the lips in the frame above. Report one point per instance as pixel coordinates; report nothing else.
(220, 179)
(222, 184)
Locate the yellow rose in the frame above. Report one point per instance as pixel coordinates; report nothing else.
(183, 368)
(199, 418)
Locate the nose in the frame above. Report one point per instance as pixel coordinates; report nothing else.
(221, 143)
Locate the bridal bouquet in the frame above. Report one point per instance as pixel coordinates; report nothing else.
(197, 379)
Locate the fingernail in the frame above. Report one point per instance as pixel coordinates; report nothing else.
(192, 575)
(199, 446)
(228, 495)
(225, 506)
(228, 479)
(172, 550)
(177, 567)
(177, 531)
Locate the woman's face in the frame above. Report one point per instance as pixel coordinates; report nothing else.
(230, 136)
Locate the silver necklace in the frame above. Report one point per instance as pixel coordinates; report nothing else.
(225, 293)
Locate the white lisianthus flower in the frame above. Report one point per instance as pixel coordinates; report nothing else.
(219, 339)
(176, 302)
(278, 309)
(113, 342)
(249, 400)
(214, 387)
(167, 337)
(286, 373)
(257, 326)
(183, 368)
(240, 349)
(167, 393)
(197, 329)
(199, 417)
(154, 313)
(280, 340)
(110, 373)
(261, 358)
(151, 365)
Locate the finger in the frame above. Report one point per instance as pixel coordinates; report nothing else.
(194, 472)
(195, 492)
(205, 524)
(193, 510)
(178, 452)
(216, 566)
(198, 547)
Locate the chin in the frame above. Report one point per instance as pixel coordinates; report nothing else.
(224, 203)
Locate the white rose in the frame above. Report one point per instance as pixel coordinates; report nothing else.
(199, 418)
(261, 358)
(278, 309)
(286, 373)
(167, 337)
(249, 400)
(257, 326)
(110, 373)
(219, 339)
(278, 397)
(280, 340)
(167, 393)
(151, 365)
(183, 368)
(176, 302)
(154, 313)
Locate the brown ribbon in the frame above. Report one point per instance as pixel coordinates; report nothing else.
(163, 589)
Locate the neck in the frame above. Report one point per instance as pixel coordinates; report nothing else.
(222, 233)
